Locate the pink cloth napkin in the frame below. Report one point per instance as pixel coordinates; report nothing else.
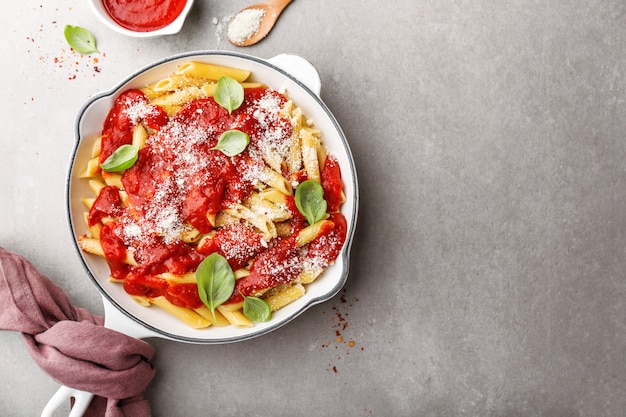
(71, 344)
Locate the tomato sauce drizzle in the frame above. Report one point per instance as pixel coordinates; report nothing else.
(332, 184)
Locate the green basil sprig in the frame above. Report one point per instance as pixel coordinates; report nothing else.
(80, 39)
(216, 281)
(310, 201)
(123, 158)
(232, 142)
(228, 93)
(256, 309)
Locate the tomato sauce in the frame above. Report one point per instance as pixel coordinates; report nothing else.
(107, 204)
(281, 263)
(332, 184)
(238, 243)
(327, 246)
(117, 126)
(114, 251)
(144, 15)
(182, 295)
(179, 178)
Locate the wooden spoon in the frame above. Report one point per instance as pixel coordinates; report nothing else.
(240, 36)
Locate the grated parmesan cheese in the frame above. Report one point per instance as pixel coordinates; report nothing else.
(177, 149)
(245, 24)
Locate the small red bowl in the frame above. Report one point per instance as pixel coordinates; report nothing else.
(175, 26)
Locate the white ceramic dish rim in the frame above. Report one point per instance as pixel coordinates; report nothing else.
(336, 274)
(174, 27)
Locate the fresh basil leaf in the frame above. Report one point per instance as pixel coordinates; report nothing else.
(310, 201)
(228, 93)
(123, 158)
(216, 281)
(232, 142)
(256, 309)
(80, 39)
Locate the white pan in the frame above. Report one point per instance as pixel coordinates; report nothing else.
(302, 83)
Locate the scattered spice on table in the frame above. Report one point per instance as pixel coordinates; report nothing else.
(343, 342)
(64, 61)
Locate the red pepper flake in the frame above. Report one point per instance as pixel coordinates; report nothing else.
(340, 326)
(66, 59)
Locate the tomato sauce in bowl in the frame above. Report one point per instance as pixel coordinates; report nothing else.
(144, 15)
(142, 18)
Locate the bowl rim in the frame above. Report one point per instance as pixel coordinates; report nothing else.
(352, 222)
(172, 28)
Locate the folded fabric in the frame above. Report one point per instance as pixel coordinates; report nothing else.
(71, 344)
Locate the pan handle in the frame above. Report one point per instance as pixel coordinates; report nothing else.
(82, 399)
(113, 319)
(300, 68)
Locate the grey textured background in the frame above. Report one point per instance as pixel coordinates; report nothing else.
(488, 270)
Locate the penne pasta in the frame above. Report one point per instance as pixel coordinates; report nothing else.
(141, 300)
(94, 230)
(188, 278)
(275, 180)
(256, 219)
(114, 180)
(91, 245)
(268, 208)
(179, 97)
(96, 147)
(176, 98)
(235, 317)
(285, 296)
(139, 136)
(273, 195)
(92, 169)
(88, 202)
(310, 143)
(189, 316)
(211, 71)
(216, 318)
(187, 198)
(175, 82)
(96, 186)
(309, 233)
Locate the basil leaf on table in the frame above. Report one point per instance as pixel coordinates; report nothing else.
(123, 158)
(256, 309)
(232, 142)
(216, 281)
(80, 39)
(228, 93)
(310, 201)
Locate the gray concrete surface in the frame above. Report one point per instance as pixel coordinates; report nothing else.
(488, 270)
